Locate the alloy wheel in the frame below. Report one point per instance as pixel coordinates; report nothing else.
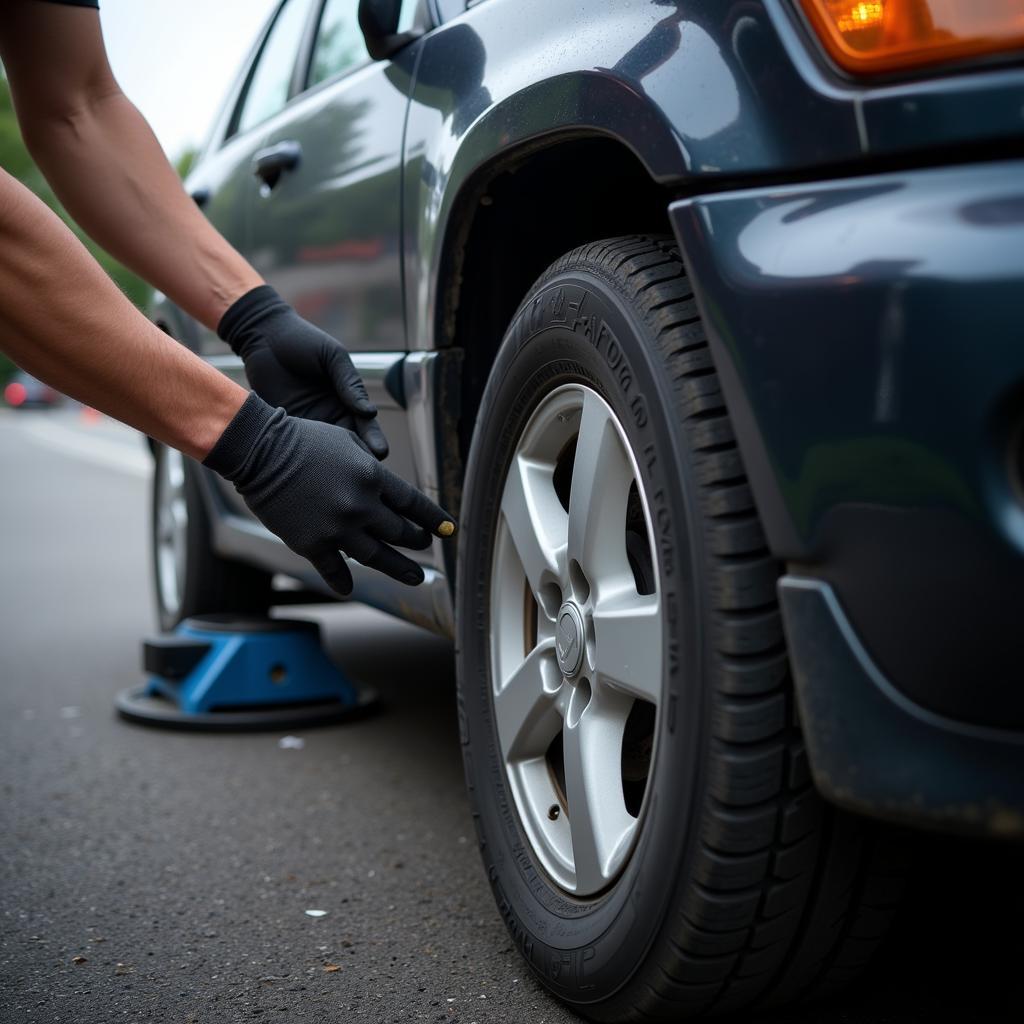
(576, 639)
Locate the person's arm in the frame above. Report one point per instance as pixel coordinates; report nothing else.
(105, 164)
(311, 483)
(107, 168)
(66, 322)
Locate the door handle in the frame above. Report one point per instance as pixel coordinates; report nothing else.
(270, 163)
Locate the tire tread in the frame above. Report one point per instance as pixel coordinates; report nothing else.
(786, 897)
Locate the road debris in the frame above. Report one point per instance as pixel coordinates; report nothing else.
(79, 959)
(316, 913)
(291, 743)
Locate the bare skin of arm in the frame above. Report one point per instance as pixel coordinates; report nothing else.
(91, 342)
(105, 164)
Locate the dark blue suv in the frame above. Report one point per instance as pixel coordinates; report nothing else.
(707, 315)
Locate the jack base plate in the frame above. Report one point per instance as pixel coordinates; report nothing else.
(137, 704)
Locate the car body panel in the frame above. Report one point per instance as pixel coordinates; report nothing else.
(328, 236)
(874, 751)
(868, 335)
(706, 94)
(648, 75)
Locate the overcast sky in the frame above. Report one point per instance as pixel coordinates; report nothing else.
(176, 58)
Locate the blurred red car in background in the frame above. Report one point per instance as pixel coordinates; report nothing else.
(23, 391)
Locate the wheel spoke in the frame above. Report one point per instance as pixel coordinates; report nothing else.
(179, 517)
(164, 524)
(628, 643)
(536, 521)
(599, 824)
(601, 478)
(524, 708)
(174, 470)
(171, 529)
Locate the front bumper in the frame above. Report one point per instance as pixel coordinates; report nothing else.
(874, 751)
(869, 337)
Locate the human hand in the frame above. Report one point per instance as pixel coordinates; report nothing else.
(316, 487)
(293, 364)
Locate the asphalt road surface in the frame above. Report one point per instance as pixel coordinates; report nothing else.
(155, 876)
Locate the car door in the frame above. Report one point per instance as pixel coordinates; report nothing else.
(326, 223)
(223, 183)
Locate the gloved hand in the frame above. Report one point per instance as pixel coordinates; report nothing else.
(293, 364)
(319, 490)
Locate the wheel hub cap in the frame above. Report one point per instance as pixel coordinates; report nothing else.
(569, 642)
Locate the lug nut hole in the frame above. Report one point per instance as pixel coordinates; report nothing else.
(551, 598)
(579, 581)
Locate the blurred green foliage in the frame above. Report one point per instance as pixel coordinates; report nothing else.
(15, 160)
(186, 161)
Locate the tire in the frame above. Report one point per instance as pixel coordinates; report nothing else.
(736, 885)
(189, 578)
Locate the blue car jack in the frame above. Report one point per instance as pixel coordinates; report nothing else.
(231, 673)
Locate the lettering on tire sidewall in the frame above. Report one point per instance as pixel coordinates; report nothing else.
(575, 308)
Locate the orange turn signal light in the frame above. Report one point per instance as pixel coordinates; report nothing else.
(873, 36)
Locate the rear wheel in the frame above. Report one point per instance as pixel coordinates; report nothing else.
(189, 578)
(640, 786)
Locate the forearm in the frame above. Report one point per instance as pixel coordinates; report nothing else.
(109, 171)
(105, 164)
(66, 322)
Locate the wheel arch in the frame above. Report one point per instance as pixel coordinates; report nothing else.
(541, 198)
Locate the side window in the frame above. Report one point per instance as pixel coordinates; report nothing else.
(449, 9)
(268, 87)
(339, 42)
(413, 11)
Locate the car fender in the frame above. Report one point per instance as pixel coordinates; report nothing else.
(696, 90)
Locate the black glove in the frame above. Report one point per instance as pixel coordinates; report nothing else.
(318, 489)
(293, 364)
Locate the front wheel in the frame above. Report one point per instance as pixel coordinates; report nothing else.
(644, 808)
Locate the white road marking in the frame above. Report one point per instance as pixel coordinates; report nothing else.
(100, 451)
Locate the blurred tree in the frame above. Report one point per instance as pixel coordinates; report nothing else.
(186, 161)
(15, 160)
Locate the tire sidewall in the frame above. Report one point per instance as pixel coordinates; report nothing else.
(578, 326)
